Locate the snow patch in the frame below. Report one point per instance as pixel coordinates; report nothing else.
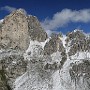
(32, 46)
(63, 40)
(20, 80)
(81, 55)
(56, 57)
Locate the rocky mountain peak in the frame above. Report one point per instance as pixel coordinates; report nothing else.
(36, 31)
(18, 27)
(29, 60)
(14, 30)
(20, 10)
(78, 34)
(77, 41)
(55, 44)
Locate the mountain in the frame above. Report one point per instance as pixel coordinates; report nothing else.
(30, 60)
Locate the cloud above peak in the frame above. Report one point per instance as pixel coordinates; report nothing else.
(60, 19)
(8, 9)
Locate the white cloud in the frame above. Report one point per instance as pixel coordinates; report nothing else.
(60, 19)
(8, 8)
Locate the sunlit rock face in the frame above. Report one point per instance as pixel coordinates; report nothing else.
(18, 28)
(15, 30)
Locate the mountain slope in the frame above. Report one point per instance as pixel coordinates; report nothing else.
(71, 73)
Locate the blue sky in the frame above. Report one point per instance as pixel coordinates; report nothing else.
(55, 15)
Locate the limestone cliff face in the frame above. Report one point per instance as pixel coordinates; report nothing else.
(36, 32)
(15, 30)
(18, 28)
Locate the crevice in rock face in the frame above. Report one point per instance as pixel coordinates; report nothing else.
(64, 58)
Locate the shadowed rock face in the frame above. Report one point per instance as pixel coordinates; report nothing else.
(36, 32)
(3, 81)
(76, 34)
(55, 44)
(81, 71)
(78, 42)
(13, 65)
(0, 30)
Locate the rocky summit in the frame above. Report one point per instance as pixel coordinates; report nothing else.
(30, 60)
(17, 29)
(14, 33)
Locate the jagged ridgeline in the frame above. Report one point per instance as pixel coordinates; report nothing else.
(30, 60)
(17, 28)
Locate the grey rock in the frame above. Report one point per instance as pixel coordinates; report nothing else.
(54, 45)
(81, 70)
(14, 66)
(78, 34)
(79, 42)
(36, 32)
